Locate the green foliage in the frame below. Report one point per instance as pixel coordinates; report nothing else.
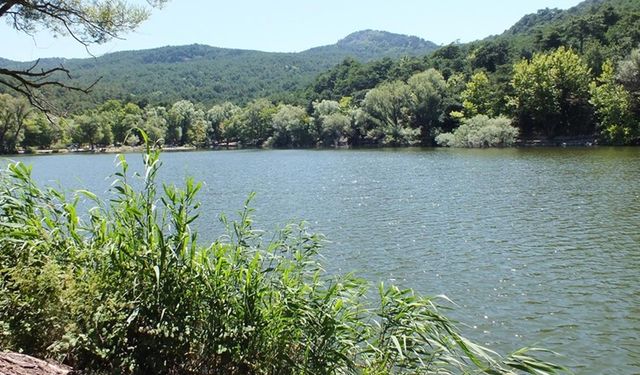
(217, 116)
(186, 124)
(480, 131)
(42, 133)
(209, 75)
(613, 108)
(334, 120)
(479, 96)
(551, 94)
(388, 107)
(155, 123)
(14, 113)
(629, 76)
(491, 55)
(251, 125)
(91, 129)
(538, 73)
(125, 288)
(292, 127)
(428, 90)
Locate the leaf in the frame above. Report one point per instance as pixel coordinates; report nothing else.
(397, 345)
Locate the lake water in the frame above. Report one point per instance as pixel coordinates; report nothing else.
(537, 247)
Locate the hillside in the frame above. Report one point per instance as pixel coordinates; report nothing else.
(596, 29)
(208, 74)
(369, 45)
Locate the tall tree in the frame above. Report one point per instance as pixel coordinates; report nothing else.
(428, 90)
(186, 124)
(613, 108)
(292, 127)
(478, 97)
(88, 129)
(13, 115)
(388, 105)
(551, 94)
(216, 116)
(629, 76)
(333, 121)
(252, 125)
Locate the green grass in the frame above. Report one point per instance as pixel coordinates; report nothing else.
(125, 288)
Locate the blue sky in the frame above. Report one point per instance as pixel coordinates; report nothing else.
(290, 26)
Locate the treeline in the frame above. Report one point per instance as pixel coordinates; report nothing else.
(552, 94)
(553, 74)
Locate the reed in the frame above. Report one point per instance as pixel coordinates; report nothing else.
(125, 288)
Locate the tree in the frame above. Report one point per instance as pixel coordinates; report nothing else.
(13, 115)
(155, 123)
(551, 94)
(86, 21)
(629, 77)
(186, 124)
(43, 133)
(388, 107)
(478, 97)
(333, 120)
(252, 125)
(428, 90)
(292, 127)
(88, 129)
(216, 116)
(480, 131)
(613, 108)
(490, 55)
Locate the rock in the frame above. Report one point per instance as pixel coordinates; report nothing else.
(21, 364)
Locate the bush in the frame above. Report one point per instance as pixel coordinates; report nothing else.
(125, 288)
(480, 131)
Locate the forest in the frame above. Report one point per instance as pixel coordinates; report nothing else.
(554, 76)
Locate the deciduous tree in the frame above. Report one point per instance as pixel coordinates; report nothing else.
(551, 94)
(613, 108)
(13, 115)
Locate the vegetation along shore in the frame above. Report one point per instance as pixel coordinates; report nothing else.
(572, 73)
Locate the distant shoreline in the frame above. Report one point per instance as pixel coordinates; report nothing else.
(559, 142)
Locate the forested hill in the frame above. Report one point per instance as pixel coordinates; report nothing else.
(593, 27)
(374, 44)
(598, 30)
(207, 74)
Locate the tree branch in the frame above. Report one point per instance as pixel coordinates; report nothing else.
(27, 82)
(6, 5)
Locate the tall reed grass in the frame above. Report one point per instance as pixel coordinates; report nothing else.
(125, 288)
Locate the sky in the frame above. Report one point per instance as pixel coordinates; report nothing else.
(289, 25)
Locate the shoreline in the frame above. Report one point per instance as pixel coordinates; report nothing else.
(559, 142)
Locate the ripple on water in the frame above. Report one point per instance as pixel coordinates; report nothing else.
(539, 247)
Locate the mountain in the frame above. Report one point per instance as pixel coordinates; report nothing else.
(368, 45)
(597, 29)
(208, 74)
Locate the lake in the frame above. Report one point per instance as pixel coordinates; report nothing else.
(536, 247)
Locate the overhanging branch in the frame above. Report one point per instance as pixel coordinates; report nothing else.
(28, 82)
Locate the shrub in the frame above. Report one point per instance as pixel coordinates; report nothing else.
(480, 131)
(125, 288)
